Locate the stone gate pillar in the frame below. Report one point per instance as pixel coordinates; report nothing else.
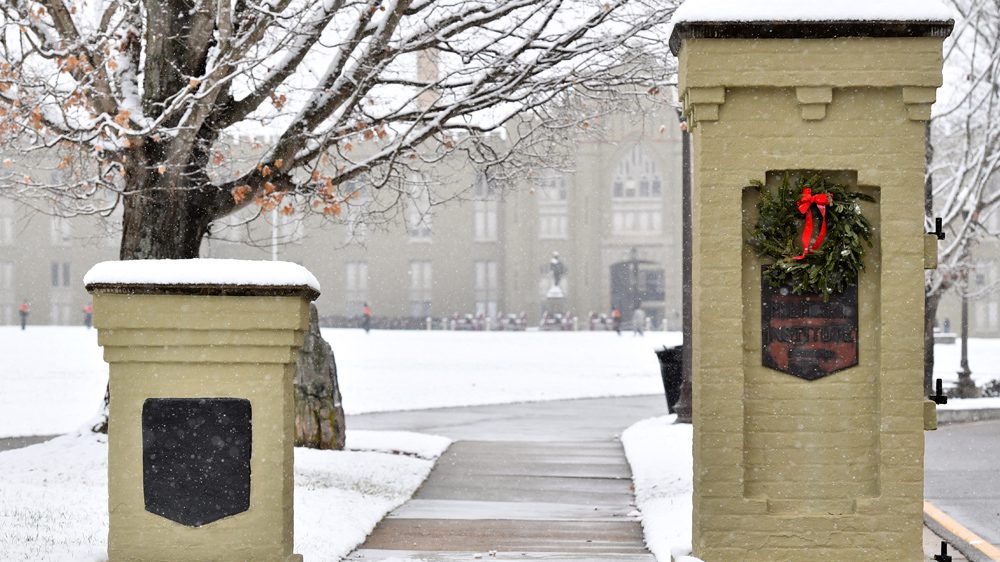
(202, 361)
(808, 458)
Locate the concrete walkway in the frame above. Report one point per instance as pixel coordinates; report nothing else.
(9, 443)
(538, 481)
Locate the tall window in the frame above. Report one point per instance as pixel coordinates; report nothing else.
(7, 292)
(637, 194)
(553, 206)
(421, 283)
(355, 211)
(61, 231)
(6, 276)
(6, 223)
(487, 288)
(60, 274)
(484, 209)
(356, 286)
(419, 221)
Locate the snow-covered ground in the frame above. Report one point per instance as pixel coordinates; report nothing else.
(53, 501)
(984, 360)
(52, 379)
(401, 370)
(52, 497)
(659, 453)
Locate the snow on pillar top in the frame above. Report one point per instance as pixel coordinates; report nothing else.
(796, 19)
(202, 277)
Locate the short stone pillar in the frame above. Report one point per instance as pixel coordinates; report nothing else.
(202, 359)
(810, 446)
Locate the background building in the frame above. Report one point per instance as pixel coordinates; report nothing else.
(612, 212)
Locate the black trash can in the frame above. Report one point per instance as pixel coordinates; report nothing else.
(672, 372)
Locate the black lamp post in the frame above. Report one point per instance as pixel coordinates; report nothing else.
(966, 387)
(633, 288)
(683, 408)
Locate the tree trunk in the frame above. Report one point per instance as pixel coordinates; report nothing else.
(166, 221)
(931, 303)
(319, 414)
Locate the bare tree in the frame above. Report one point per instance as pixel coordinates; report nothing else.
(137, 98)
(145, 92)
(964, 154)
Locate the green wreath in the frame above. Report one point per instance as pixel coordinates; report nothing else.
(828, 265)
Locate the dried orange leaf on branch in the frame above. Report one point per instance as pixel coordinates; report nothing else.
(241, 192)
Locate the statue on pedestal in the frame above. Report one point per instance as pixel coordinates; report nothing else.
(558, 269)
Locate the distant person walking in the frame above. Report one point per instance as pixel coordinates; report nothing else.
(638, 322)
(616, 320)
(24, 310)
(366, 321)
(88, 315)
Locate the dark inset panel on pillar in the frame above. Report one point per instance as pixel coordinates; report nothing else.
(196, 458)
(807, 336)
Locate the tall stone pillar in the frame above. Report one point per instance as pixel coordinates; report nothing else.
(814, 460)
(202, 360)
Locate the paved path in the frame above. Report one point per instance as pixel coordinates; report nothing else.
(8, 443)
(963, 475)
(537, 481)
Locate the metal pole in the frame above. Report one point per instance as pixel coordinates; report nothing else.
(965, 336)
(683, 408)
(966, 387)
(274, 235)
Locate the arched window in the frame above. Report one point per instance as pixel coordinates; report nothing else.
(637, 194)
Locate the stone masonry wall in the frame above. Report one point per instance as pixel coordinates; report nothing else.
(787, 469)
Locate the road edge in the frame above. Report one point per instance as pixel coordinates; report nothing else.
(971, 545)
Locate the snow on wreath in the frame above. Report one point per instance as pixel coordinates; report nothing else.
(828, 256)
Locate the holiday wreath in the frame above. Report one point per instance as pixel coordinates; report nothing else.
(830, 253)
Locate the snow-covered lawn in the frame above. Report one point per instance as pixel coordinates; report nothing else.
(984, 360)
(401, 370)
(53, 500)
(52, 379)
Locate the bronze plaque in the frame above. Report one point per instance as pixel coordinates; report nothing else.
(804, 336)
(196, 458)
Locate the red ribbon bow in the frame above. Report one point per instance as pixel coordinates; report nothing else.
(805, 206)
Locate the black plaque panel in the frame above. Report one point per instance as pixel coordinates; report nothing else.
(804, 336)
(196, 458)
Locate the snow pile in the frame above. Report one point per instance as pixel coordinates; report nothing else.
(811, 10)
(53, 502)
(659, 453)
(417, 444)
(201, 272)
